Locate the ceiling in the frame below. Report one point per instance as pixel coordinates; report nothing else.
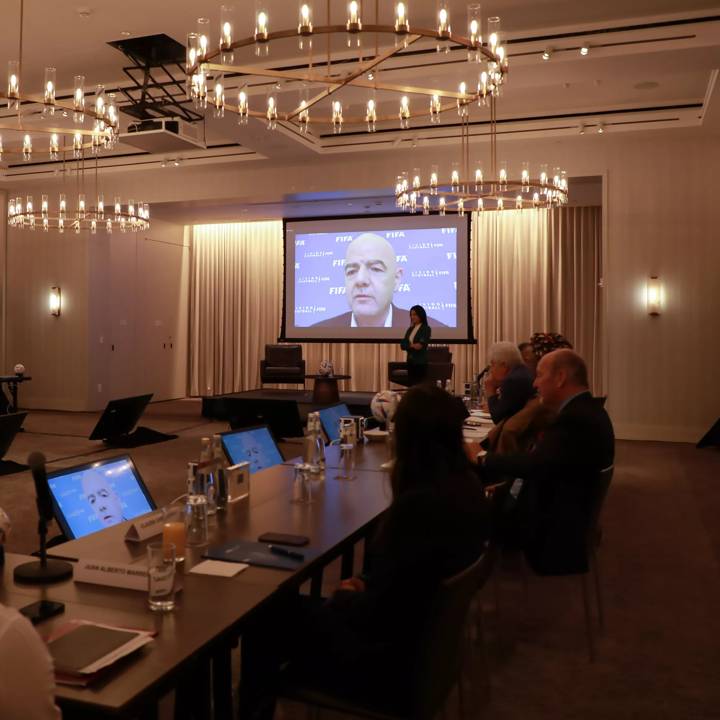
(652, 64)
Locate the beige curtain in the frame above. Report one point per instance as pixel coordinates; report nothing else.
(531, 271)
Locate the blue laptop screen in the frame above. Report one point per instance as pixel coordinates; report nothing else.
(330, 420)
(97, 496)
(255, 446)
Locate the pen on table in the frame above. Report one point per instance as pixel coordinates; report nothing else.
(277, 550)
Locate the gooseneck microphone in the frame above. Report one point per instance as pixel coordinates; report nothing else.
(483, 372)
(43, 570)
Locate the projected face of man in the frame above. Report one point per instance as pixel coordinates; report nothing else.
(371, 278)
(102, 498)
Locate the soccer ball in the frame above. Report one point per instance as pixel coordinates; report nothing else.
(4, 526)
(383, 405)
(19, 369)
(326, 368)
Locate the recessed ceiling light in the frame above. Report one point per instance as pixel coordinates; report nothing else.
(584, 50)
(601, 128)
(582, 129)
(125, 33)
(547, 53)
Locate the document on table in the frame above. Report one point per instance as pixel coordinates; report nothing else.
(219, 568)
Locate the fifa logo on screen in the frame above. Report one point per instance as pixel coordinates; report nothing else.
(299, 243)
(343, 238)
(401, 258)
(336, 291)
(339, 263)
(403, 287)
(297, 266)
(451, 255)
(395, 234)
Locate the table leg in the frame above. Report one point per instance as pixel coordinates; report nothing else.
(222, 682)
(346, 566)
(316, 584)
(13, 391)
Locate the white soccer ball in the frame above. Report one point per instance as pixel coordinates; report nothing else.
(4, 527)
(19, 369)
(383, 405)
(326, 368)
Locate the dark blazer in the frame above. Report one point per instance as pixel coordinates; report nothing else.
(399, 320)
(514, 392)
(554, 503)
(423, 335)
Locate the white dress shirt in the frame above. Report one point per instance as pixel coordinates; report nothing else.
(388, 319)
(27, 681)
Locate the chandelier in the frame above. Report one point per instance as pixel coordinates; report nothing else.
(208, 67)
(62, 124)
(474, 187)
(24, 214)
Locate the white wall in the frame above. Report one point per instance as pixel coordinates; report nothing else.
(123, 327)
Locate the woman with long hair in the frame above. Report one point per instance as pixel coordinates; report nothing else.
(362, 641)
(415, 342)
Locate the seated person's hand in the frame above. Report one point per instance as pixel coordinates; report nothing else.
(416, 346)
(490, 385)
(353, 584)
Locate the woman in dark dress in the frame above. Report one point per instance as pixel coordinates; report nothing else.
(362, 641)
(415, 342)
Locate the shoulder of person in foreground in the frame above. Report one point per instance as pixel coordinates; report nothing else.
(27, 682)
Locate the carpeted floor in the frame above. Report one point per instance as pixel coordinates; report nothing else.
(660, 656)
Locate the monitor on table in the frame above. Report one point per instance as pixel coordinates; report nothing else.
(87, 498)
(255, 445)
(330, 420)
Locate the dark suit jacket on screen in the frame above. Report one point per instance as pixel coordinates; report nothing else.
(554, 503)
(399, 320)
(515, 390)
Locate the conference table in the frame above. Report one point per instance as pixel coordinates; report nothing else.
(211, 611)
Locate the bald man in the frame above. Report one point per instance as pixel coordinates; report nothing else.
(557, 475)
(371, 278)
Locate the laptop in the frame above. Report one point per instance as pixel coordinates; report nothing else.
(120, 417)
(255, 445)
(91, 497)
(9, 427)
(330, 420)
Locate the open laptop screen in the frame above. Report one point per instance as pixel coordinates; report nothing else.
(88, 498)
(254, 445)
(330, 420)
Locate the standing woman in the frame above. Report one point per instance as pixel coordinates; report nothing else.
(415, 342)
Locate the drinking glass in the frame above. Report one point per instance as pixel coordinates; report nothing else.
(174, 531)
(161, 576)
(347, 462)
(302, 485)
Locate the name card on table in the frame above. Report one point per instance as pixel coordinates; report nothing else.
(97, 572)
(146, 527)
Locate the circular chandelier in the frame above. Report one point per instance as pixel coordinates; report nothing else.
(206, 68)
(63, 124)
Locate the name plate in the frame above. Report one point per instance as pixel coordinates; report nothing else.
(97, 572)
(146, 527)
(238, 481)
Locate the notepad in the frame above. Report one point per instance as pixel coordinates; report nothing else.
(221, 569)
(256, 553)
(83, 648)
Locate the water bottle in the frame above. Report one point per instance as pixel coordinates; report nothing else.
(206, 476)
(220, 476)
(195, 509)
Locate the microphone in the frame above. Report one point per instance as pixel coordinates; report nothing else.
(43, 570)
(36, 461)
(483, 372)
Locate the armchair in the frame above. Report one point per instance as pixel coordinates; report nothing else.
(282, 364)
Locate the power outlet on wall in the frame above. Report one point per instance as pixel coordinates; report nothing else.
(99, 387)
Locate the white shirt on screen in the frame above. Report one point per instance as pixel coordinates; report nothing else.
(27, 682)
(388, 319)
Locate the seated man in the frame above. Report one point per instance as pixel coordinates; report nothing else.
(553, 506)
(509, 383)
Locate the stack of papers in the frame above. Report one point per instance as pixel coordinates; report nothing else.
(81, 649)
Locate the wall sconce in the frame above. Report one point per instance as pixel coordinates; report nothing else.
(55, 301)
(654, 295)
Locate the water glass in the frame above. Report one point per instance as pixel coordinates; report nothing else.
(196, 520)
(347, 462)
(161, 576)
(302, 485)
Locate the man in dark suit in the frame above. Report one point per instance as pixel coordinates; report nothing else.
(372, 276)
(553, 506)
(509, 383)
